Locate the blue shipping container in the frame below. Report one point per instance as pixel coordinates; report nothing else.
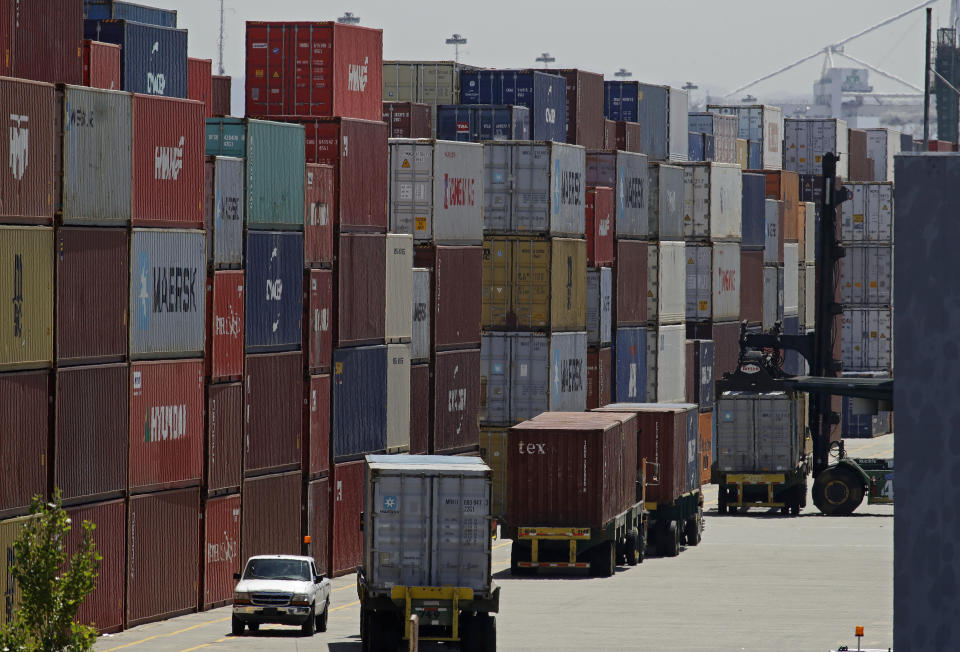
(703, 361)
(753, 210)
(754, 155)
(630, 365)
(153, 59)
(274, 289)
(620, 100)
(695, 145)
(476, 123)
(107, 9)
(693, 450)
(359, 401)
(545, 95)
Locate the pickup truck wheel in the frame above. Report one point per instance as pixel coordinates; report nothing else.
(236, 626)
(633, 547)
(322, 620)
(309, 627)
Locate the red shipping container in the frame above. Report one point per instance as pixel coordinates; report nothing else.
(25, 415)
(420, 409)
(101, 65)
(168, 146)
(317, 426)
(456, 401)
(361, 289)
(599, 377)
(409, 119)
(200, 83)
(224, 466)
(628, 136)
(271, 515)
(221, 95)
(318, 329)
(609, 134)
(163, 567)
(221, 550)
(27, 194)
(103, 608)
(705, 429)
(318, 215)
(273, 412)
(166, 424)
(457, 281)
(318, 523)
(751, 286)
(585, 121)
(726, 343)
(599, 214)
(314, 69)
(92, 428)
(347, 536)
(42, 40)
(630, 271)
(225, 302)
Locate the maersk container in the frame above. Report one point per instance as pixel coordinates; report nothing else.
(866, 276)
(274, 291)
(398, 264)
(626, 173)
(753, 211)
(662, 110)
(154, 58)
(806, 140)
(882, 145)
(420, 340)
(476, 123)
(545, 95)
(534, 188)
(359, 401)
(760, 123)
(436, 191)
(666, 282)
(665, 201)
(224, 215)
(398, 398)
(713, 206)
(167, 293)
(867, 339)
(666, 364)
(723, 129)
(599, 305)
(757, 433)
(791, 284)
(867, 218)
(630, 365)
(107, 9)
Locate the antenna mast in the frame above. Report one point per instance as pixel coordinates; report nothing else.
(220, 42)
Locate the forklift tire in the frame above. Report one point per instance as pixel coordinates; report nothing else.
(519, 553)
(633, 547)
(837, 492)
(604, 560)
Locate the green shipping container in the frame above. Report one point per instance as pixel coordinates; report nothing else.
(26, 281)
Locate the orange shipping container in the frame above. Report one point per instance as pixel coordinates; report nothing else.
(706, 446)
(221, 549)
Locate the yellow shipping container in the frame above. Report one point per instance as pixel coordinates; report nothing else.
(26, 257)
(9, 589)
(497, 270)
(493, 450)
(743, 153)
(550, 284)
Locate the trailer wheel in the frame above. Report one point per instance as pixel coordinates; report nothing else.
(837, 492)
(519, 553)
(485, 633)
(692, 531)
(633, 547)
(604, 559)
(671, 540)
(469, 633)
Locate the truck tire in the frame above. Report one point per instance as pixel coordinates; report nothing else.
(469, 633)
(633, 547)
(236, 626)
(322, 618)
(837, 492)
(604, 562)
(692, 531)
(671, 540)
(309, 627)
(519, 553)
(642, 545)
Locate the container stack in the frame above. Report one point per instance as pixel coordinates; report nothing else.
(662, 112)
(544, 94)
(762, 128)
(433, 83)
(476, 123)
(714, 137)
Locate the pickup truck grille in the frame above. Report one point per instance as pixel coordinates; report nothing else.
(269, 599)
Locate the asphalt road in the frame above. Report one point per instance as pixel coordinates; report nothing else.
(758, 581)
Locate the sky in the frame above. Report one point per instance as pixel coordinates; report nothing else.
(717, 45)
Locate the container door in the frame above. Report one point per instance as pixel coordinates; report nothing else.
(498, 187)
(460, 539)
(776, 434)
(401, 508)
(531, 189)
(735, 451)
(411, 189)
(530, 381)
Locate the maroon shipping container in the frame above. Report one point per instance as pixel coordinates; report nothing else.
(347, 504)
(166, 424)
(570, 469)
(316, 425)
(163, 567)
(609, 134)
(25, 415)
(584, 107)
(271, 515)
(726, 343)
(628, 136)
(221, 95)
(409, 119)
(599, 216)
(27, 182)
(42, 40)
(225, 304)
(457, 282)
(221, 550)
(318, 216)
(93, 270)
(224, 459)
(92, 432)
(318, 523)
(456, 401)
(751, 286)
(420, 409)
(859, 169)
(273, 411)
(200, 83)
(168, 161)
(630, 272)
(101, 65)
(599, 377)
(317, 326)
(103, 608)
(361, 289)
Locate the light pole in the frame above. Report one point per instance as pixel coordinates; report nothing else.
(546, 59)
(349, 19)
(456, 41)
(623, 73)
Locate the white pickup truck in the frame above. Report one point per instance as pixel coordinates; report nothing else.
(281, 589)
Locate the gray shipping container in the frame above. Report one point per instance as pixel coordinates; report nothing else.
(398, 323)
(599, 305)
(867, 218)
(666, 282)
(772, 295)
(436, 191)
(867, 339)
(97, 156)
(665, 203)
(225, 225)
(757, 433)
(420, 341)
(723, 128)
(759, 122)
(667, 364)
(427, 522)
(664, 114)
(534, 188)
(398, 398)
(167, 293)
(866, 276)
(626, 173)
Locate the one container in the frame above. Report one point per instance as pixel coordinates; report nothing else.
(584, 106)
(666, 282)
(665, 201)
(420, 406)
(772, 295)
(223, 217)
(495, 378)
(809, 253)
(221, 95)
(866, 276)
(318, 319)
(154, 58)
(43, 41)
(599, 226)
(762, 123)
(808, 315)
(27, 193)
(420, 338)
(868, 216)
(359, 401)
(456, 401)
(10, 531)
(163, 532)
(627, 136)
(703, 376)
(773, 235)
(666, 364)
(713, 281)
(318, 215)
(534, 188)
(398, 398)
(723, 129)
(101, 65)
(476, 123)
(316, 426)
(107, 9)
(882, 146)
(630, 270)
(408, 119)
(630, 364)
(26, 336)
(318, 523)
(167, 302)
(102, 609)
(609, 134)
(662, 110)
(626, 173)
(221, 549)
(25, 413)
(751, 286)
(599, 379)
(200, 83)
(726, 342)
(436, 191)
(270, 520)
(431, 82)
(705, 428)
(457, 279)
(398, 296)
(753, 211)
(807, 140)
(346, 523)
(360, 295)
(741, 417)
(867, 339)
(791, 286)
(224, 442)
(493, 450)
(716, 209)
(544, 94)
(225, 330)
(273, 395)
(274, 298)
(695, 147)
(599, 305)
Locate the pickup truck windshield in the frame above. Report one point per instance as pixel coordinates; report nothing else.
(277, 569)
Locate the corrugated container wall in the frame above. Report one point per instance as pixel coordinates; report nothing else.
(318, 217)
(712, 205)
(408, 119)
(666, 364)
(599, 226)
(26, 336)
(807, 140)
(456, 400)
(630, 364)
(420, 406)
(430, 82)
(221, 549)
(360, 294)
(723, 128)
(599, 305)
(274, 292)
(10, 530)
(318, 523)
(599, 379)
(762, 124)
(666, 282)
(43, 41)
(224, 443)
(751, 286)
(476, 123)
(420, 340)
(630, 301)
(275, 173)
(549, 279)
(318, 319)
(398, 297)
(103, 609)
(867, 339)
(101, 65)
(24, 455)
(626, 173)
(867, 218)
(200, 83)
(665, 201)
(273, 407)
(457, 304)
(882, 146)
(584, 106)
(773, 234)
(347, 540)
(107, 9)
(221, 95)
(866, 276)
(493, 450)
(316, 426)
(271, 515)
(224, 216)
(154, 58)
(398, 398)
(225, 291)
(703, 376)
(359, 401)
(28, 183)
(544, 94)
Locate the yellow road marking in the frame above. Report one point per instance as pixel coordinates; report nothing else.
(202, 645)
(500, 545)
(344, 606)
(179, 631)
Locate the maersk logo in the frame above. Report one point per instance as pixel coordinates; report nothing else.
(357, 76)
(165, 289)
(168, 161)
(19, 145)
(165, 423)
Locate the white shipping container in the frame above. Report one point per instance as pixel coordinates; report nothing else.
(771, 242)
(599, 305)
(420, 337)
(761, 123)
(726, 282)
(791, 285)
(665, 207)
(867, 339)
(398, 398)
(666, 364)
(810, 288)
(882, 145)
(866, 276)
(399, 288)
(699, 281)
(712, 202)
(666, 282)
(868, 216)
(772, 296)
(810, 233)
(802, 297)
(806, 140)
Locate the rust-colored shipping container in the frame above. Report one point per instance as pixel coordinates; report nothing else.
(318, 523)
(751, 286)
(224, 443)
(103, 608)
(42, 40)
(25, 419)
(609, 134)
(93, 269)
(781, 185)
(271, 515)
(225, 304)
(599, 219)
(347, 504)
(221, 95)
(628, 136)
(705, 429)
(101, 65)
(273, 412)
(457, 281)
(571, 469)
(585, 124)
(420, 409)
(317, 322)
(361, 288)
(456, 401)
(168, 145)
(28, 180)
(318, 215)
(166, 425)
(859, 169)
(630, 272)
(316, 426)
(163, 567)
(599, 379)
(90, 457)
(726, 342)
(200, 83)
(408, 119)
(221, 550)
